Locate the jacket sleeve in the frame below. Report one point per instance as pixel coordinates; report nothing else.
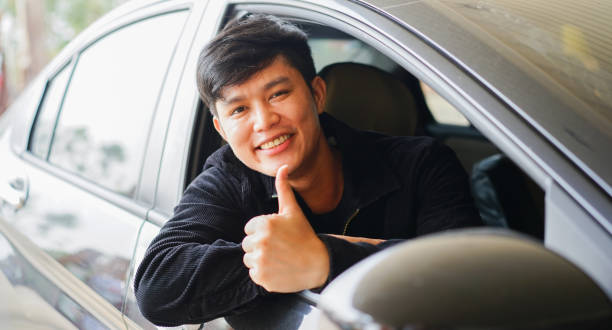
(344, 254)
(443, 193)
(192, 271)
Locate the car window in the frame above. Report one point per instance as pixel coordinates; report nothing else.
(107, 111)
(496, 180)
(329, 46)
(442, 111)
(47, 113)
(326, 51)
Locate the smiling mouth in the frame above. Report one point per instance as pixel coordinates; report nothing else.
(276, 142)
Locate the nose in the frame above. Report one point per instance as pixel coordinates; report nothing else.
(265, 118)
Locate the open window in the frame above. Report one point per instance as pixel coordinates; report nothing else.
(369, 90)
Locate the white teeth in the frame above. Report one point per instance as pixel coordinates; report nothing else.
(274, 143)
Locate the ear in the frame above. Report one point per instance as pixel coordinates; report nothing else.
(319, 92)
(218, 127)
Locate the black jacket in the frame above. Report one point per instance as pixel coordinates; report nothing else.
(395, 188)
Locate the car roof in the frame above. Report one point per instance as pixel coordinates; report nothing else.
(551, 61)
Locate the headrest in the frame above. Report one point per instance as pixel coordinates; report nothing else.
(368, 98)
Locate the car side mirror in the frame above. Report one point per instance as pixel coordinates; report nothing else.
(476, 278)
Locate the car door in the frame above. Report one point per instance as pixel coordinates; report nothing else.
(81, 174)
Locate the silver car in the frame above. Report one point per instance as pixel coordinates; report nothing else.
(98, 149)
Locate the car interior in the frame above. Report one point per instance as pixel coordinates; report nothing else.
(369, 91)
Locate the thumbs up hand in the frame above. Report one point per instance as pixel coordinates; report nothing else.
(282, 251)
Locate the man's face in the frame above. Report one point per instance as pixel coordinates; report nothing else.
(272, 119)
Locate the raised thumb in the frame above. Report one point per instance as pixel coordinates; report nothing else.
(286, 198)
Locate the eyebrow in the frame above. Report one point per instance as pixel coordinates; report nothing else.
(267, 86)
(275, 82)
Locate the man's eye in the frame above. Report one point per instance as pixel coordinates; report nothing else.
(279, 93)
(237, 110)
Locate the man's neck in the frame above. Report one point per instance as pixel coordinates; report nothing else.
(322, 186)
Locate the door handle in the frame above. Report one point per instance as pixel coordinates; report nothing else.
(14, 193)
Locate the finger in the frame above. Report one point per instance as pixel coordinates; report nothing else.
(251, 226)
(247, 244)
(247, 260)
(286, 198)
(254, 275)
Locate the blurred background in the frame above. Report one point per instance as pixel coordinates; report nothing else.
(32, 32)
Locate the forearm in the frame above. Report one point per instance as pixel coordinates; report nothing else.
(192, 283)
(344, 253)
(353, 239)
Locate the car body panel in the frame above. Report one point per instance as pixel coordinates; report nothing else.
(70, 232)
(131, 311)
(571, 233)
(30, 269)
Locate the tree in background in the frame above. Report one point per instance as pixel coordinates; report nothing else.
(32, 32)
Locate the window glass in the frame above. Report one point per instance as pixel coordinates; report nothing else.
(442, 111)
(41, 136)
(329, 46)
(106, 115)
(331, 50)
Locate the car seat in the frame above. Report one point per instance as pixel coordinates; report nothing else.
(507, 197)
(368, 98)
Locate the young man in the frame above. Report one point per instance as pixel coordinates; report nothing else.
(296, 197)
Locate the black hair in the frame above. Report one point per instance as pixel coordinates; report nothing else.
(244, 47)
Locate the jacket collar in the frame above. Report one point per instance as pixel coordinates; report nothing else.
(363, 164)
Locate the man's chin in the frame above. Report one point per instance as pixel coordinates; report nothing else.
(270, 167)
(268, 170)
